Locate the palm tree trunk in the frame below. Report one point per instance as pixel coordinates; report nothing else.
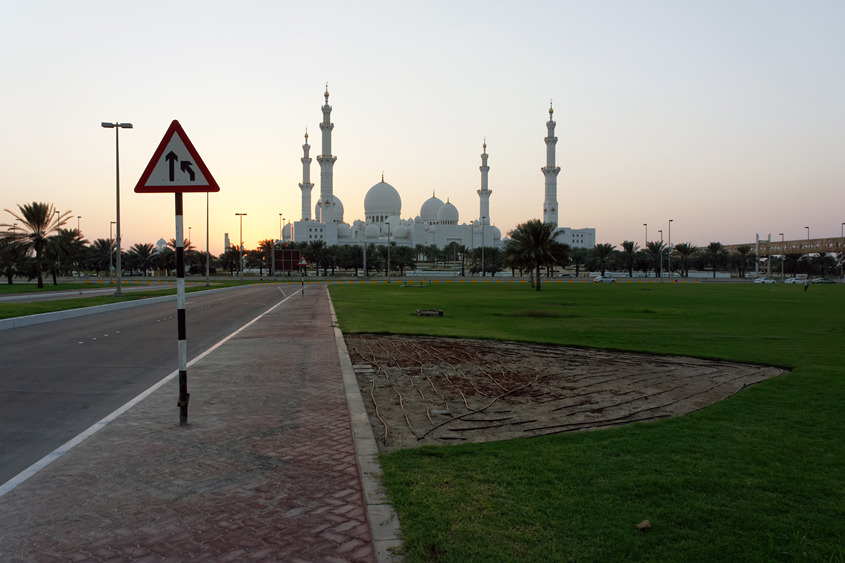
(537, 287)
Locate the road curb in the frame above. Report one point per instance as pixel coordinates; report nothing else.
(384, 523)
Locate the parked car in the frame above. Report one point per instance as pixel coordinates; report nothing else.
(793, 280)
(823, 280)
(604, 279)
(764, 280)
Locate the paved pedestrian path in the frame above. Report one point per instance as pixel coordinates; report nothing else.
(273, 465)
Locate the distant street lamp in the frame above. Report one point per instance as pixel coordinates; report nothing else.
(78, 230)
(241, 252)
(117, 127)
(388, 251)
(111, 252)
(646, 235)
(660, 272)
(189, 236)
(782, 256)
(281, 219)
(669, 250)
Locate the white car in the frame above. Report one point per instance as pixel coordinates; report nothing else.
(603, 279)
(764, 280)
(793, 280)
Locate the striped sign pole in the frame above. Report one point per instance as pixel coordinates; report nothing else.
(176, 167)
(184, 396)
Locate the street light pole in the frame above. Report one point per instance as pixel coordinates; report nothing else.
(241, 246)
(661, 253)
(669, 250)
(645, 242)
(111, 252)
(78, 230)
(207, 250)
(117, 127)
(782, 256)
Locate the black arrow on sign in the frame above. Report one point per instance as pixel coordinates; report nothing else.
(186, 167)
(171, 158)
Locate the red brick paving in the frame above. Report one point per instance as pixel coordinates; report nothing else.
(265, 470)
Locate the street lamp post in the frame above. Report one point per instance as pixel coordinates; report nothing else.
(388, 251)
(782, 256)
(117, 127)
(111, 252)
(241, 247)
(660, 272)
(669, 250)
(645, 242)
(78, 230)
(280, 228)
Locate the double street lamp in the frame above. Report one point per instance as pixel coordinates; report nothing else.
(117, 126)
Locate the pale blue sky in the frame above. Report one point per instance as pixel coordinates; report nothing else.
(724, 116)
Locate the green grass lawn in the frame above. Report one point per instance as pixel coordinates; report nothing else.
(757, 477)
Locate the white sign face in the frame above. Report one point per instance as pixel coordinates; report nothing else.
(176, 167)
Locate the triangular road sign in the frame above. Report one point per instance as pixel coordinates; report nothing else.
(303, 261)
(176, 166)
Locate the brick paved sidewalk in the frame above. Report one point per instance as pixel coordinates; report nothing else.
(266, 470)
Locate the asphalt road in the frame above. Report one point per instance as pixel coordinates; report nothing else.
(59, 378)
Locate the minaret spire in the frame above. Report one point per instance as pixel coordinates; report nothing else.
(326, 162)
(550, 171)
(484, 192)
(306, 184)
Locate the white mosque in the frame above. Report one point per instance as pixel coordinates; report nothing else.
(437, 222)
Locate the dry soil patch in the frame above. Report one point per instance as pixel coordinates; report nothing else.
(424, 390)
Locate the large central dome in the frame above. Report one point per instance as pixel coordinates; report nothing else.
(381, 201)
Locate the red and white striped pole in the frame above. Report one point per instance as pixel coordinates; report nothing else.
(184, 396)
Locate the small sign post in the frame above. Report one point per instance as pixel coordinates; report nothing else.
(176, 167)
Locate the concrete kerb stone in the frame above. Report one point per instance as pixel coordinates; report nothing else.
(384, 524)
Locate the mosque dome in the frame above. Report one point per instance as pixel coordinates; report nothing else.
(448, 214)
(161, 244)
(335, 210)
(429, 209)
(402, 232)
(382, 200)
(372, 231)
(497, 234)
(344, 231)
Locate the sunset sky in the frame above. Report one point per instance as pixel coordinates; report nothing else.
(726, 116)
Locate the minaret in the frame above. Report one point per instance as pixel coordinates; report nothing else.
(484, 192)
(306, 184)
(326, 161)
(550, 171)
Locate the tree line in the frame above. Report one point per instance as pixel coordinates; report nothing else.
(39, 244)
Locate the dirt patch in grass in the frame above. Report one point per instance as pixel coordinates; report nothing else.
(424, 390)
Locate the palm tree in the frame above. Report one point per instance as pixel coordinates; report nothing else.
(140, 257)
(654, 249)
(601, 255)
(12, 259)
(684, 252)
(743, 259)
(98, 255)
(266, 247)
(629, 252)
(579, 256)
(716, 255)
(38, 221)
(533, 242)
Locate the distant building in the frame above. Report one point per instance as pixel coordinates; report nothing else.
(437, 223)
